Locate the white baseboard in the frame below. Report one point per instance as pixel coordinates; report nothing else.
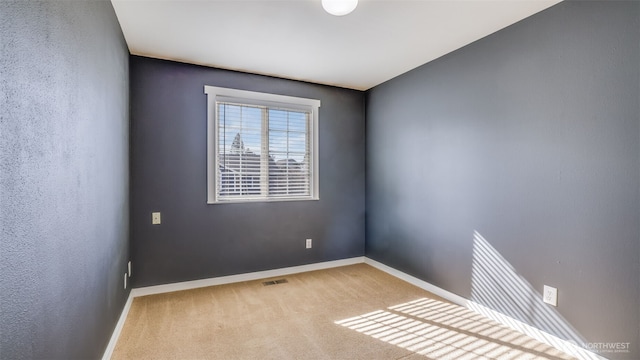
(186, 285)
(118, 329)
(456, 299)
(546, 338)
(514, 324)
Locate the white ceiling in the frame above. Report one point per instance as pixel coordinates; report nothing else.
(297, 39)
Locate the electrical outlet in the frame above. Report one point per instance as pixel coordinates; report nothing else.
(129, 268)
(550, 295)
(308, 244)
(125, 281)
(155, 218)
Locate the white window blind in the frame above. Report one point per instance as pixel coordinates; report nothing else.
(262, 147)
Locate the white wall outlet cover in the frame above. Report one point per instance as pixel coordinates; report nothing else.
(129, 268)
(155, 218)
(550, 295)
(125, 281)
(309, 243)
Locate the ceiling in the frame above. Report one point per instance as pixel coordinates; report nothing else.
(297, 39)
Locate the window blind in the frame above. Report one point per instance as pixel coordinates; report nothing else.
(263, 152)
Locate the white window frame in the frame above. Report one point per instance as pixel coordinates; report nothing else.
(220, 94)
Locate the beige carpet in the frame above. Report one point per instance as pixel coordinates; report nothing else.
(351, 312)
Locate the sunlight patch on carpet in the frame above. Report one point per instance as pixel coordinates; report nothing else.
(442, 330)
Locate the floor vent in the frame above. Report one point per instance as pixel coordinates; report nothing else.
(275, 282)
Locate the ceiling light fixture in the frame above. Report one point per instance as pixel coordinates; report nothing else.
(339, 7)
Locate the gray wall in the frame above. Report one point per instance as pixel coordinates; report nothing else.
(64, 178)
(514, 163)
(196, 240)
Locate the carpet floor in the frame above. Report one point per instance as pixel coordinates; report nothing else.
(351, 312)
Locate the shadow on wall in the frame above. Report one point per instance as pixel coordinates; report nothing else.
(496, 284)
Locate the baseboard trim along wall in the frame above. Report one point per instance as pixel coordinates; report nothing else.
(118, 329)
(514, 324)
(543, 337)
(187, 285)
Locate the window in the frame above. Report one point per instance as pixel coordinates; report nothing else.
(261, 147)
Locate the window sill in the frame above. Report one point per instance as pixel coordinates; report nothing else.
(241, 201)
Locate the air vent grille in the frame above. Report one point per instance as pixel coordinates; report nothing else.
(275, 282)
